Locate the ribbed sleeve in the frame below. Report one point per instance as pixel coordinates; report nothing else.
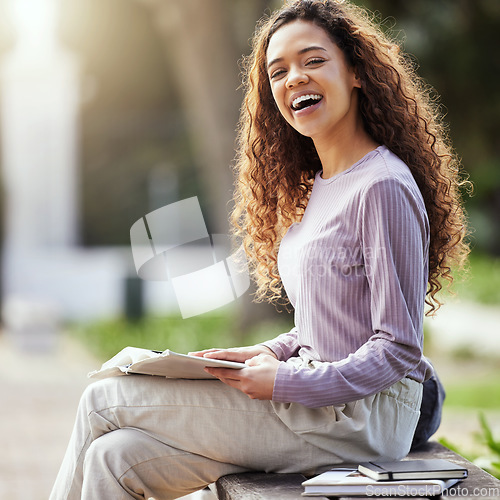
(355, 269)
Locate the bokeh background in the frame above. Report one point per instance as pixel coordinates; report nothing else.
(113, 108)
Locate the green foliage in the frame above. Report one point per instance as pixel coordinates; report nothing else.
(450, 446)
(493, 445)
(490, 461)
(480, 282)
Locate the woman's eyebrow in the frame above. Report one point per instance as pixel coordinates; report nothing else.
(300, 52)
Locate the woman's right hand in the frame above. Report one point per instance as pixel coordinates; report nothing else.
(240, 354)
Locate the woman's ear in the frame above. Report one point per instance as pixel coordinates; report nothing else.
(357, 80)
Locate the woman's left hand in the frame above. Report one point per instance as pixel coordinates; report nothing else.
(256, 380)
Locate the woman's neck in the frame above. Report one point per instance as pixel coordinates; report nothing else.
(339, 153)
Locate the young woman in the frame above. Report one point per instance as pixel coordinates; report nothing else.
(343, 167)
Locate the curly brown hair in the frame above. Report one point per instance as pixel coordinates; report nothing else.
(276, 165)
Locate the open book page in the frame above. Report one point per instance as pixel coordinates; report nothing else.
(119, 363)
(134, 360)
(130, 355)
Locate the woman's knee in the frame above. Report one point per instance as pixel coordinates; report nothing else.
(108, 453)
(97, 454)
(98, 395)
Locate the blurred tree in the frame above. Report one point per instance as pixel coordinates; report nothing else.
(202, 42)
(132, 126)
(161, 107)
(161, 89)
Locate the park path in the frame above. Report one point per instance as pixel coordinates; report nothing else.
(39, 393)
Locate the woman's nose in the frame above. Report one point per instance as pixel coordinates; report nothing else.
(296, 76)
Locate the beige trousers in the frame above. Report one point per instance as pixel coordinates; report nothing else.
(149, 437)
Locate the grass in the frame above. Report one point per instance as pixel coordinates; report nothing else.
(105, 338)
(471, 380)
(480, 394)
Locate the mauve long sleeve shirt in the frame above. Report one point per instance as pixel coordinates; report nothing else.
(355, 270)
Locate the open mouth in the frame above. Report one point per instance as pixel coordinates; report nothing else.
(305, 101)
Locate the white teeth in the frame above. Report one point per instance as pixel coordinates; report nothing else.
(306, 97)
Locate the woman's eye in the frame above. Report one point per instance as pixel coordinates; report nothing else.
(277, 74)
(315, 61)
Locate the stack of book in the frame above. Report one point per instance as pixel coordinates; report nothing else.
(408, 478)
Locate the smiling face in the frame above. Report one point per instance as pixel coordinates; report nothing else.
(311, 82)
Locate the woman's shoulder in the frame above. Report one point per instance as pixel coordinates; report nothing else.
(389, 177)
(384, 164)
(386, 169)
(375, 175)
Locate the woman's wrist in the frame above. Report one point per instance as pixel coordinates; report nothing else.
(267, 350)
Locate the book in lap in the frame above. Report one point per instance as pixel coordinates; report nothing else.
(434, 468)
(134, 360)
(350, 482)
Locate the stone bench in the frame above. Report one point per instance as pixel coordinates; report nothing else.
(262, 486)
